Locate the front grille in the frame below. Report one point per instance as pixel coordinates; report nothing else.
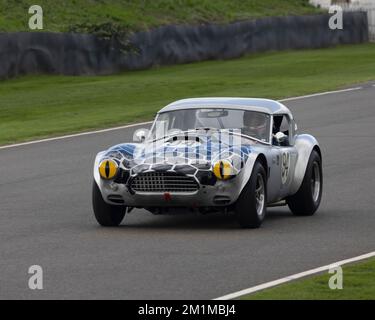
(163, 182)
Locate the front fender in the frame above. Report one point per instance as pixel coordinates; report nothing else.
(304, 144)
(248, 169)
(96, 165)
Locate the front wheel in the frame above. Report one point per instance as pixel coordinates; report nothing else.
(251, 205)
(107, 215)
(307, 199)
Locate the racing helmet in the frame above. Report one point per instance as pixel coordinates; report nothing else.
(254, 120)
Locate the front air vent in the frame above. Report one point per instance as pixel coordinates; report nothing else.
(222, 200)
(115, 198)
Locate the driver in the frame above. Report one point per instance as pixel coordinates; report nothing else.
(255, 125)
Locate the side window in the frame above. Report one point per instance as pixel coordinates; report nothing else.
(281, 123)
(285, 125)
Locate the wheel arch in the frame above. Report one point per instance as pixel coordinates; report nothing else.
(249, 167)
(263, 160)
(305, 145)
(317, 149)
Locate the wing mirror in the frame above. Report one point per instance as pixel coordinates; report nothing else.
(281, 137)
(140, 135)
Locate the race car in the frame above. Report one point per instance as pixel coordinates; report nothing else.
(234, 155)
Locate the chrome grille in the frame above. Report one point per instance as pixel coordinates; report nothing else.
(163, 182)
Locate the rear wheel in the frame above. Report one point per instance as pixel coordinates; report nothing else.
(307, 199)
(251, 205)
(107, 215)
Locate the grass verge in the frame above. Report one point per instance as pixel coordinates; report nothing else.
(358, 283)
(143, 14)
(41, 106)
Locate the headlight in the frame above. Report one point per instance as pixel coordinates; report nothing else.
(108, 169)
(223, 169)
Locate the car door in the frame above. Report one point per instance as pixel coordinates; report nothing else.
(286, 153)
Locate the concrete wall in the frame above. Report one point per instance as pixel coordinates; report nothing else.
(80, 54)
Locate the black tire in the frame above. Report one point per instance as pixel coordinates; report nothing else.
(246, 207)
(107, 215)
(307, 199)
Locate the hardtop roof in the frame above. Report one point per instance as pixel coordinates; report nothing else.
(252, 104)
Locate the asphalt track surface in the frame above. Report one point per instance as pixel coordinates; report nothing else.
(46, 219)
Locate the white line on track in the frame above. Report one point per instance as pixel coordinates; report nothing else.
(321, 94)
(74, 135)
(144, 123)
(274, 283)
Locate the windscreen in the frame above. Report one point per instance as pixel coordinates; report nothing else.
(251, 123)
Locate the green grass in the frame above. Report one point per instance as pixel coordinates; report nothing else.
(358, 283)
(143, 14)
(40, 106)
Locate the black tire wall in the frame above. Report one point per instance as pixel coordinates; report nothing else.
(81, 54)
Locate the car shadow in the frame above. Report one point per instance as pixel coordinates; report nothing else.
(195, 221)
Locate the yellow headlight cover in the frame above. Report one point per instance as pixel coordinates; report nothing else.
(108, 169)
(223, 169)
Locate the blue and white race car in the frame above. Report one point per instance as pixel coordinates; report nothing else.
(235, 155)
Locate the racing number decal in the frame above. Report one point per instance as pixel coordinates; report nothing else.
(285, 165)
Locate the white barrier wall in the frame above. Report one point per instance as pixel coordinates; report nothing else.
(371, 22)
(353, 5)
(369, 7)
(325, 4)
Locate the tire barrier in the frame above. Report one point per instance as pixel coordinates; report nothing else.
(83, 54)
